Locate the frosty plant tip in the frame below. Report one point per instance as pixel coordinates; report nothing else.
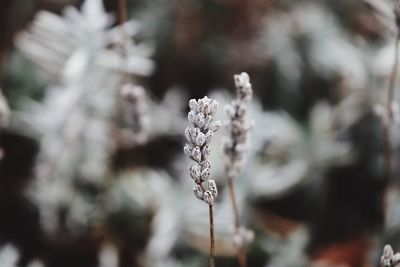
(237, 142)
(389, 258)
(197, 149)
(199, 136)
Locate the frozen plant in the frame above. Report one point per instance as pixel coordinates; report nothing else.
(235, 148)
(237, 143)
(134, 97)
(389, 258)
(198, 149)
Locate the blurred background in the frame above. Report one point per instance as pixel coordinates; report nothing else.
(91, 179)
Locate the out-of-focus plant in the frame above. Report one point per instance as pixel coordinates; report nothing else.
(236, 145)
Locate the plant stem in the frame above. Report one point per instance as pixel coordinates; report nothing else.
(123, 18)
(390, 99)
(242, 252)
(212, 238)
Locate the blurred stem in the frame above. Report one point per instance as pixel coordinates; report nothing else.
(123, 18)
(122, 12)
(212, 238)
(390, 100)
(242, 252)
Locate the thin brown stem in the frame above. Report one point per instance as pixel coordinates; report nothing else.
(390, 99)
(212, 238)
(232, 192)
(242, 257)
(123, 17)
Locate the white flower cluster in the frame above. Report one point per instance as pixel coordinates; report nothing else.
(389, 258)
(136, 109)
(237, 143)
(198, 149)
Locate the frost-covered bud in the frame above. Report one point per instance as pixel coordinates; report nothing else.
(195, 173)
(215, 126)
(200, 120)
(214, 107)
(198, 192)
(196, 154)
(205, 151)
(192, 104)
(192, 117)
(388, 259)
(207, 122)
(387, 251)
(209, 135)
(200, 139)
(396, 259)
(206, 164)
(243, 86)
(208, 198)
(212, 187)
(188, 134)
(205, 174)
(187, 149)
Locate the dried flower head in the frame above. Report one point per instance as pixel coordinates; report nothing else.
(389, 258)
(237, 143)
(135, 110)
(197, 149)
